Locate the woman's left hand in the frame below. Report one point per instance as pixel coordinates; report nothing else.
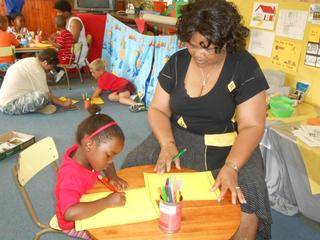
(119, 183)
(228, 180)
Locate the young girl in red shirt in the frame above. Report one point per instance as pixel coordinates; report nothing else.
(99, 140)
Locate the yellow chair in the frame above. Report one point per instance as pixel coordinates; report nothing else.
(76, 50)
(31, 161)
(6, 52)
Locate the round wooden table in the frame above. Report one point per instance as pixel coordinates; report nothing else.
(200, 219)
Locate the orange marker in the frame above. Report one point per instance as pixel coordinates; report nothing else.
(105, 181)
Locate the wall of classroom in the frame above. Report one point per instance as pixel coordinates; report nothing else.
(39, 15)
(304, 73)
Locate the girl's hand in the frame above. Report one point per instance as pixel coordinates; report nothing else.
(118, 183)
(116, 199)
(228, 180)
(165, 158)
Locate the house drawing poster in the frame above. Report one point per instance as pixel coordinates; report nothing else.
(314, 13)
(292, 23)
(261, 42)
(263, 15)
(286, 55)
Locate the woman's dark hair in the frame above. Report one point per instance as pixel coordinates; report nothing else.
(96, 121)
(49, 55)
(63, 6)
(217, 20)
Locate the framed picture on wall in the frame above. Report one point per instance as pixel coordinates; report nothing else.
(312, 48)
(310, 60)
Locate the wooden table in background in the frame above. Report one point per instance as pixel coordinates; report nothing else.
(200, 219)
(34, 48)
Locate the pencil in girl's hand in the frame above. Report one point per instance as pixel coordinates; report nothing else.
(105, 181)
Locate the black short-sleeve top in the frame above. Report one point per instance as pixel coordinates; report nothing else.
(241, 78)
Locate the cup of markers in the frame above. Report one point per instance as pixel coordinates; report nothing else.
(170, 206)
(86, 100)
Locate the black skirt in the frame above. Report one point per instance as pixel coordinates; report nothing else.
(251, 177)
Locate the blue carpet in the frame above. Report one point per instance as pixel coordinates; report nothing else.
(15, 223)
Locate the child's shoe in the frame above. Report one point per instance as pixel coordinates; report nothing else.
(135, 98)
(138, 107)
(59, 76)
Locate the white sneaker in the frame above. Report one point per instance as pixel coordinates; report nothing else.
(138, 107)
(59, 76)
(135, 98)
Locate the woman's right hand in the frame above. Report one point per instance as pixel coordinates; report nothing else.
(116, 199)
(166, 155)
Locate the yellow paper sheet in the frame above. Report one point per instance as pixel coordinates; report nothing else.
(286, 54)
(195, 185)
(138, 208)
(65, 99)
(97, 100)
(314, 34)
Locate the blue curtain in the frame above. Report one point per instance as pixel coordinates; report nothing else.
(136, 57)
(128, 53)
(14, 6)
(165, 46)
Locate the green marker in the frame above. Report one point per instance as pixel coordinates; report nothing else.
(164, 194)
(180, 153)
(183, 151)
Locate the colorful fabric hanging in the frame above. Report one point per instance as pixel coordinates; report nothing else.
(14, 6)
(165, 46)
(128, 53)
(136, 57)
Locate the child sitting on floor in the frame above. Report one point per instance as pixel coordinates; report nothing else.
(17, 27)
(121, 89)
(99, 139)
(63, 41)
(6, 40)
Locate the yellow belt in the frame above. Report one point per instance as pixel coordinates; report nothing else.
(220, 140)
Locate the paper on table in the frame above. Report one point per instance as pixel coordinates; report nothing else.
(138, 208)
(65, 99)
(195, 185)
(97, 100)
(310, 135)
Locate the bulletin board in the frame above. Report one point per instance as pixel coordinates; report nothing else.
(293, 50)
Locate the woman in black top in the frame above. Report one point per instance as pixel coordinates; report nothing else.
(211, 100)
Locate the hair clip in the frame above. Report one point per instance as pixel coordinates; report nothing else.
(97, 113)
